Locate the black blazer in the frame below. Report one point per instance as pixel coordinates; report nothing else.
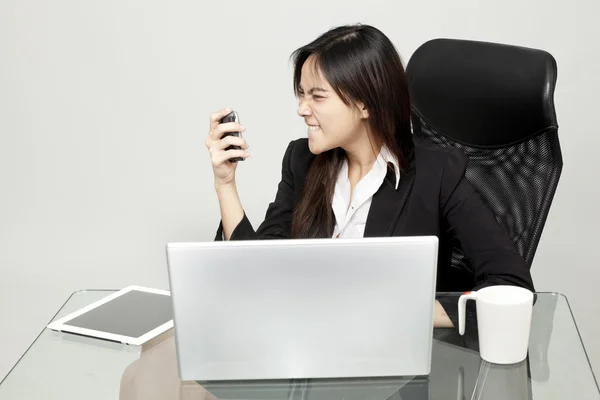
(433, 198)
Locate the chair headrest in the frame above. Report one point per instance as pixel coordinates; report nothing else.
(483, 94)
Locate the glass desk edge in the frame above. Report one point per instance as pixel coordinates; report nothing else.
(438, 294)
(39, 334)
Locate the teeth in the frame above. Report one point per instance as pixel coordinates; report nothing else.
(313, 127)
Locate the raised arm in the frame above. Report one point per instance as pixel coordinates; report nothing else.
(224, 170)
(278, 218)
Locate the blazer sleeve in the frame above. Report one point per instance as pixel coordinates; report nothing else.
(278, 218)
(488, 249)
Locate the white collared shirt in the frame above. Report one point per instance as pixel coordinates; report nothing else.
(351, 214)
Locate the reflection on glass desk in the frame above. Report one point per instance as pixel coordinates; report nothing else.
(64, 366)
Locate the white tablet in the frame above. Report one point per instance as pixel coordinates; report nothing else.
(132, 315)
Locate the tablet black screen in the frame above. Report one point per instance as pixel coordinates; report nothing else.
(132, 314)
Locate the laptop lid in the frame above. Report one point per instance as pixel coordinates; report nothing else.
(309, 308)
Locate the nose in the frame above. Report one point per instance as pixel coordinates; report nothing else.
(303, 109)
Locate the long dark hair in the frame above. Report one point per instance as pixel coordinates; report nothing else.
(362, 65)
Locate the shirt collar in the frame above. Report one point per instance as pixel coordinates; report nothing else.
(387, 157)
(384, 158)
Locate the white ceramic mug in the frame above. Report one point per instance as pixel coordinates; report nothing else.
(503, 320)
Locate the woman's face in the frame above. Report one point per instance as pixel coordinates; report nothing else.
(331, 123)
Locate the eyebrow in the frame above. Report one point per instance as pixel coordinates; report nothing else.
(315, 89)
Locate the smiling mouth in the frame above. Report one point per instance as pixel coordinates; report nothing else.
(313, 128)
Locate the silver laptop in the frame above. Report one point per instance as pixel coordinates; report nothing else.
(308, 308)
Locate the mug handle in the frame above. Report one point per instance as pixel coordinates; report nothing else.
(462, 302)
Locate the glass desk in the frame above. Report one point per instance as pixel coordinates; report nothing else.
(64, 366)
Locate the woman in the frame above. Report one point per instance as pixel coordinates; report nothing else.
(361, 172)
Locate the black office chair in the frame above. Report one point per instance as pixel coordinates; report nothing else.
(496, 103)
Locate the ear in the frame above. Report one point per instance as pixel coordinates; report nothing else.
(364, 113)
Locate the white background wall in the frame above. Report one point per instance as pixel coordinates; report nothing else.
(104, 110)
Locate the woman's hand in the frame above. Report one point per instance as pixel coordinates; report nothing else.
(440, 318)
(223, 169)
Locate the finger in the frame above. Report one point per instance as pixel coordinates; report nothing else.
(224, 156)
(231, 141)
(221, 129)
(215, 118)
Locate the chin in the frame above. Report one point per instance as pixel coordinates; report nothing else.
(315, 147)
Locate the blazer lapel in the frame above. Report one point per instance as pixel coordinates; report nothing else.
(387, 204)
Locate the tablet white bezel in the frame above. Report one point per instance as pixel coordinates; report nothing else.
(62, 324)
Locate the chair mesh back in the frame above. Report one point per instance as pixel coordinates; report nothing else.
(495, 102)
(517, 182)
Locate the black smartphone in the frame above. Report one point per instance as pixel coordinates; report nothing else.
(232, 117)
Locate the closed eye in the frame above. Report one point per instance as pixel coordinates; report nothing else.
(314, 96)
(300, 93)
